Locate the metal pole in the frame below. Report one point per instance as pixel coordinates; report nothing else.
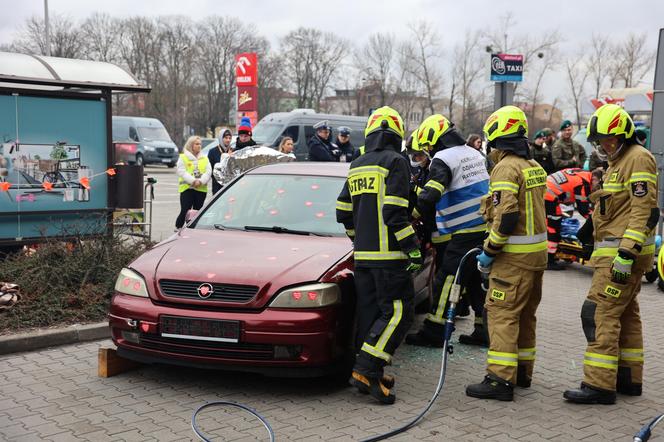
(47, 30)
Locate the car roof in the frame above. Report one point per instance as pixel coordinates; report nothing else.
(303, 168)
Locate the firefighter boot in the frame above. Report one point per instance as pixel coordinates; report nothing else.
(590, 395)
(374, 387)
(624, 384)
(477, 337)
(552, 264)
(423, 339)
(492, 387)
(522, 378)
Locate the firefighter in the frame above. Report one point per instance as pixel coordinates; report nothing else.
(623, 221)
(458, 182)
(567, 186)
(373, 207)
(515, 253)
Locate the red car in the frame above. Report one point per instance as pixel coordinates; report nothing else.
(261, 279)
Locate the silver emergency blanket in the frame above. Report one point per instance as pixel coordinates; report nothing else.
(242, 160)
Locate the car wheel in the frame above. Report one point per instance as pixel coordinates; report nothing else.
(171, 165)
(651, 276)
(139, 160)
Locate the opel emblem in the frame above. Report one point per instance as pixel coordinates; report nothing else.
(205, 290)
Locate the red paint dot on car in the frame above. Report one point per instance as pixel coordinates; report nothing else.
(315, 187)
(320, 214)
(308, 203)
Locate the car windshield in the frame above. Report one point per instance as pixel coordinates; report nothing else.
(153, 133)
(266, 133)
(293, 202)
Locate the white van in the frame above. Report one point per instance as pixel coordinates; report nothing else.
(139, 140)
(298, 124)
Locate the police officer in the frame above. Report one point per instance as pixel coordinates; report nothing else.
(566, 152)
(541, 153)
(373, 207)
(567, 186)
(623, 221)
(458, 182)
(347, 150)
(515, 253)
(320, 146)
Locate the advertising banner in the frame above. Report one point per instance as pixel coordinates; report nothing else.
(246, 69)
(506, 67)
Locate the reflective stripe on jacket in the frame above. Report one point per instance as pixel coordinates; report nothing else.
(191, 166)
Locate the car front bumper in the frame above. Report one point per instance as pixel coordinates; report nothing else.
(281, 341)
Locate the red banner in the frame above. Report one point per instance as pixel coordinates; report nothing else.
(247, 98)
(246, 69)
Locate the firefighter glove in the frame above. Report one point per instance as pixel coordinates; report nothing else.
(415, 260)
(622, 267)
(484, 262)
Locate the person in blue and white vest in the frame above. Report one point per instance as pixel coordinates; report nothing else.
(458, 182)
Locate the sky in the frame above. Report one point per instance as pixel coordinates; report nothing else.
(357, 19)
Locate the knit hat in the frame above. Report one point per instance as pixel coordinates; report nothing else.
(565, 124)
(245, 126)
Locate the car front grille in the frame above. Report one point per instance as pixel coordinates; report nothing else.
(226, 350)
(164, 151)
(222, 292)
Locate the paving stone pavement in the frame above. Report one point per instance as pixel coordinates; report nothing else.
(55, 394)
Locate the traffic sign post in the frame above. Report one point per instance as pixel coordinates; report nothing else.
(505, 68)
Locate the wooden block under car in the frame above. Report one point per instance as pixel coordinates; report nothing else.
(111, 364)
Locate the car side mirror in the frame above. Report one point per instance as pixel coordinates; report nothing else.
(191, 214)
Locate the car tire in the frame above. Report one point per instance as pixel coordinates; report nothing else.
(139, 160)
(171, 165)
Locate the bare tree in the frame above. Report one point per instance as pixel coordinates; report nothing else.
(466, 69)
(376, 61)
(599, 61)
(102, 39)
(502, 41)
(425, 50)
(637, 59)
(577, 74)
(311, 59)
(66, 41)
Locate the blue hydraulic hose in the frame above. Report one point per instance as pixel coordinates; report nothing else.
(644, 434)
(447, 349)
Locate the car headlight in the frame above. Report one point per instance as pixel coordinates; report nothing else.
(131, 283)
(308, 296)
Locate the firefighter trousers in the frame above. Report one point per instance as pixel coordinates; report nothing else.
(385, 313)
(612, 326)
(511, 304)
(455, 249)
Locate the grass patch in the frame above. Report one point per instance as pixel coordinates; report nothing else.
(65, 282)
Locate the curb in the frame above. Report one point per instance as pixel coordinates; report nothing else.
(52, 337)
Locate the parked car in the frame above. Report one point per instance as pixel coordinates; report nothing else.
(261, 279)
(581, 138)
(205, 142)
(298, 124)
(141, 141)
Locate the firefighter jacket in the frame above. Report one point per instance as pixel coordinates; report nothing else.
(373, 207)
(458, 182)
(626, 210)
(563, 152)
(514, 210)
(570, 186)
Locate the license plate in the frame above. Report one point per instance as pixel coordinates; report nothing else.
(166, 160)
(199, 329)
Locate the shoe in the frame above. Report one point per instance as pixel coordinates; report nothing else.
(387, 380)
(589, 395)
(522, 379)
(624, 384)
(491, 387)
(422, 340)
(552, 264)
(374, 387)
(477, 337)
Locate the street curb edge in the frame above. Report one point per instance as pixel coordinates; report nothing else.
(37, 339)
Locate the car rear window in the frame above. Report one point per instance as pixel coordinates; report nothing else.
(295, 202)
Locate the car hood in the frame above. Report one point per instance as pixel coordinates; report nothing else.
(159, 143)
(264, 259)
